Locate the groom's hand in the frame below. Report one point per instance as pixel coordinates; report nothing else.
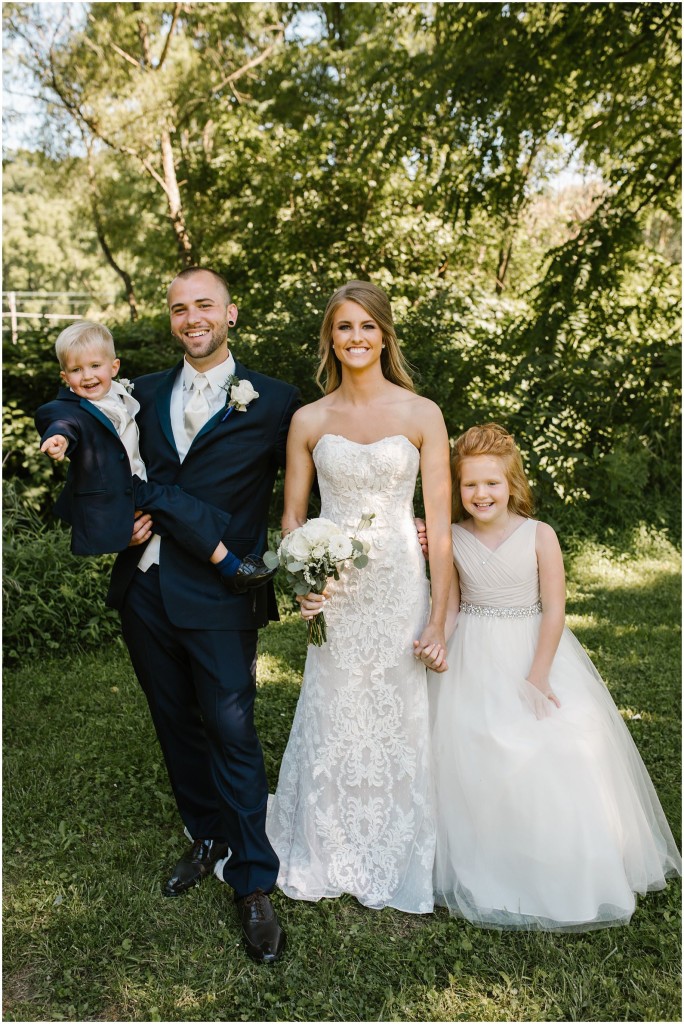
(142, 528)
(421, 530)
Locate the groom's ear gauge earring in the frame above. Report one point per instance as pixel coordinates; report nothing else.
(231, 323)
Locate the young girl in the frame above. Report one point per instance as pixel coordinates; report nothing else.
(546, 816)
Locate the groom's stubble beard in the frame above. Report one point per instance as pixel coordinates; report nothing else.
(206, 346)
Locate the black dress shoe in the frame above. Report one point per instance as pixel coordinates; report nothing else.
(264, 938)
(252, 573)
(196, 863)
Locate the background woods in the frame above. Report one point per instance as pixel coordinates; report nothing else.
(508, 172)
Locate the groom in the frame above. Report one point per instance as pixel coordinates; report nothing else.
(192, 642)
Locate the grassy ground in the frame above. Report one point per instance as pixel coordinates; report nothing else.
(90, 829)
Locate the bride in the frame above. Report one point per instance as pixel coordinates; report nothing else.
(353, 808)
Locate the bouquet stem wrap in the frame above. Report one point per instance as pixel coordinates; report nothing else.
(316, 630)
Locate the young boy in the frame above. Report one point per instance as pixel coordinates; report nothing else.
(92, 422)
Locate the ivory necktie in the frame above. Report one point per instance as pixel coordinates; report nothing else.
(197, 410)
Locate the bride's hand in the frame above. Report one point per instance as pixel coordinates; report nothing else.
(312, 604)
(432, 655)
(431, 648)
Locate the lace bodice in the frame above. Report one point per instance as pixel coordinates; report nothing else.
(505, 578)
(374, 602)
(384, 472)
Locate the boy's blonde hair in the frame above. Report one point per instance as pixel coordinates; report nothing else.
(491, 439)
(377, 305)
(80, 335)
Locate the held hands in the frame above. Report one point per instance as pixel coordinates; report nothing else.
(431, 649)
(55, 447)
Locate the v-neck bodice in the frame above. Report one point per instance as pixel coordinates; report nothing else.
(507, 577)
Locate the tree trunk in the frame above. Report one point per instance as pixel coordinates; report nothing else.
(99, 230)
(504, 259)
(174, 202)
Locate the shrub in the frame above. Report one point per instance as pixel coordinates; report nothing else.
(51, 598)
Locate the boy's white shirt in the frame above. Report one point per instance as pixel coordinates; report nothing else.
(121, 408)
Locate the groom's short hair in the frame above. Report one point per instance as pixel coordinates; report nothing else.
(189, 271)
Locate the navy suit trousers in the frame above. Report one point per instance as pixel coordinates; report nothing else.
(200, 686)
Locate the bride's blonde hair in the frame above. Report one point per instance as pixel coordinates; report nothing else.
(491, 439)
(377, 305)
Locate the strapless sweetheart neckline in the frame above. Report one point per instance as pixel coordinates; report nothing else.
(366, 444)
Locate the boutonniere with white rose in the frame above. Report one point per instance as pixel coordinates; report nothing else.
(126, 384)
(240, 393)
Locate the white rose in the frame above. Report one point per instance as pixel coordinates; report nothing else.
(242, 394)
(340, 548)
(296, 545)
(319, 530)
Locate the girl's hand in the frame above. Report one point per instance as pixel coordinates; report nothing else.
(55, 447)
(312, 604)
(432, 655)
(547, 693)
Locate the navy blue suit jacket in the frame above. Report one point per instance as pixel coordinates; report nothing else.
(100, 495)
(232, 464)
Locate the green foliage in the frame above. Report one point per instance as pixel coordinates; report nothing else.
(91, 831)
(52, 600)
(419, 145)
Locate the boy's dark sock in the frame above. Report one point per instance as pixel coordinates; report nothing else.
(229, 565)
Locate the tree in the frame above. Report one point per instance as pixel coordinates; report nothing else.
(139, 78)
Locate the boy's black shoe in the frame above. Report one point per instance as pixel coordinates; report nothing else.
(252, 573)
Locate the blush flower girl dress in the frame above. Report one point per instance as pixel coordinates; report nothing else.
(546, 817)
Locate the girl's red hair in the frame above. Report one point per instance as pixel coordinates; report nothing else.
(491, 439)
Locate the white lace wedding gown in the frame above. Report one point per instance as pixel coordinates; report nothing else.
(353, 810)
(552, 822)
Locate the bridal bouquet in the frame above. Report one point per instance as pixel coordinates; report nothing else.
(315, 553)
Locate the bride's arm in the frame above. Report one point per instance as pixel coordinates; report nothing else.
(434, 468)
(299, 473)
(434, 658)
(299, 476)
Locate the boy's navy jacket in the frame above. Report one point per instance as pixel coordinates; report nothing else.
(101, 495)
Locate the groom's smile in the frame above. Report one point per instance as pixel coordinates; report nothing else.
(201, 313)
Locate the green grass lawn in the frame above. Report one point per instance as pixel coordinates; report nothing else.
(91, 829)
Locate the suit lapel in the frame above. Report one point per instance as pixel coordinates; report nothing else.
(91, 408)
(163, 403)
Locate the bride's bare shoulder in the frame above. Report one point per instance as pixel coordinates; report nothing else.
(309, 422)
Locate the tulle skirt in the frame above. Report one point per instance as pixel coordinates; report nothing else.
(546, 817)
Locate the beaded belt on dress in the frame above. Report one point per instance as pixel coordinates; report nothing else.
(502, 613)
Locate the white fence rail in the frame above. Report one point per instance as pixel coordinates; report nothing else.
(12, 301)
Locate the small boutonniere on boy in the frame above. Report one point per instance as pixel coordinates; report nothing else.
(240, 393)
(126, 384)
